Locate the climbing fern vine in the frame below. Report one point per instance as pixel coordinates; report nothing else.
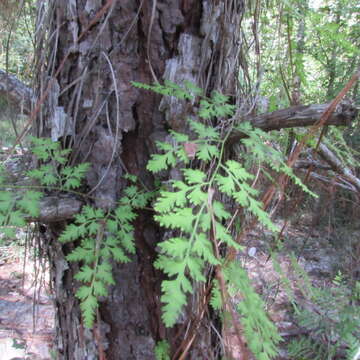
(197, 210)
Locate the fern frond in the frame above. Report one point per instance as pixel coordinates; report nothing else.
(261, 334)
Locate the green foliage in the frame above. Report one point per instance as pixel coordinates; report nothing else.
(333, 320)
(16, 209)
(190, 208)
(53, 171)
(261, 334)
(102, 238)
(162, 350)
(216, 300)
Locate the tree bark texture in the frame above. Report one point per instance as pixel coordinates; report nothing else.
(94, 50)
(91, 106)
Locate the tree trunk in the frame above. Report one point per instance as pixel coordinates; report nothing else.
(93, 51)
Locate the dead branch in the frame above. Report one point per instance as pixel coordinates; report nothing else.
(298, 116)
(314, 164)
(338, 166)
(338, 182)
(16, 92)
(57, 208)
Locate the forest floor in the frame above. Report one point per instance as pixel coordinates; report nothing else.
(26, 308)
(27, 312)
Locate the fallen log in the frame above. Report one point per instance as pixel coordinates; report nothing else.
(338, 166)
(297, 116)
(19, 95)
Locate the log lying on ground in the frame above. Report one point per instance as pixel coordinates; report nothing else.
(16, 92)
(298, 116)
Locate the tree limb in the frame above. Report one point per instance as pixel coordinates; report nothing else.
(338, 166)
(298, 116)
(22, 98)
(16, 92)
(58, 208)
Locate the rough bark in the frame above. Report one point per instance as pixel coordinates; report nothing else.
(295, 116)
(113, 125)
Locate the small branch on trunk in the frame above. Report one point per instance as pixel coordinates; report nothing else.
(57, 208)
(298, 116)
(16, 92)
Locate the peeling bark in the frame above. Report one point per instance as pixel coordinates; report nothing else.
(184, 67)
(114, 127)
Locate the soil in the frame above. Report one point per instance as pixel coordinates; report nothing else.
(26, 308)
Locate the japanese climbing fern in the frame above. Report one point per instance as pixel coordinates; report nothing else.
(192, 208)
(17, 207)
(103, 237)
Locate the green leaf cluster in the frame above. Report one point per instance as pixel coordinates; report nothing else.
(16, 208)
(258, 145)
(334, 316)
(54, 171)
(162, 350)
(261, 333)
(101, 239)
(188, 209)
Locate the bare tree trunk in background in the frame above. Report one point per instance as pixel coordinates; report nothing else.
(91, 106)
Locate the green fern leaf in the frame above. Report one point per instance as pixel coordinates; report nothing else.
(16, 218)
(127, 240)
(88, 307)
(162, 350)
(103, 273)
(238, 171)
(215, 299)
(203, 248)
(194, 176)
(195, 266)
(6, 201)
(223, 235)
(85, 274)
(170, 266)
(193, 88)
(168, 200)
(119, 255)
(99, 288)
(226, 184)
(181, 219)
(197, 196)
(81, 253)
(30, 202)
(204, 132)
(174, 299)
(175, 247)
(207, 152)
(160, 162)
(83, 292)
(124, 213)
(70, 233)
(73, 175)
(220, 211)
(180, 138)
